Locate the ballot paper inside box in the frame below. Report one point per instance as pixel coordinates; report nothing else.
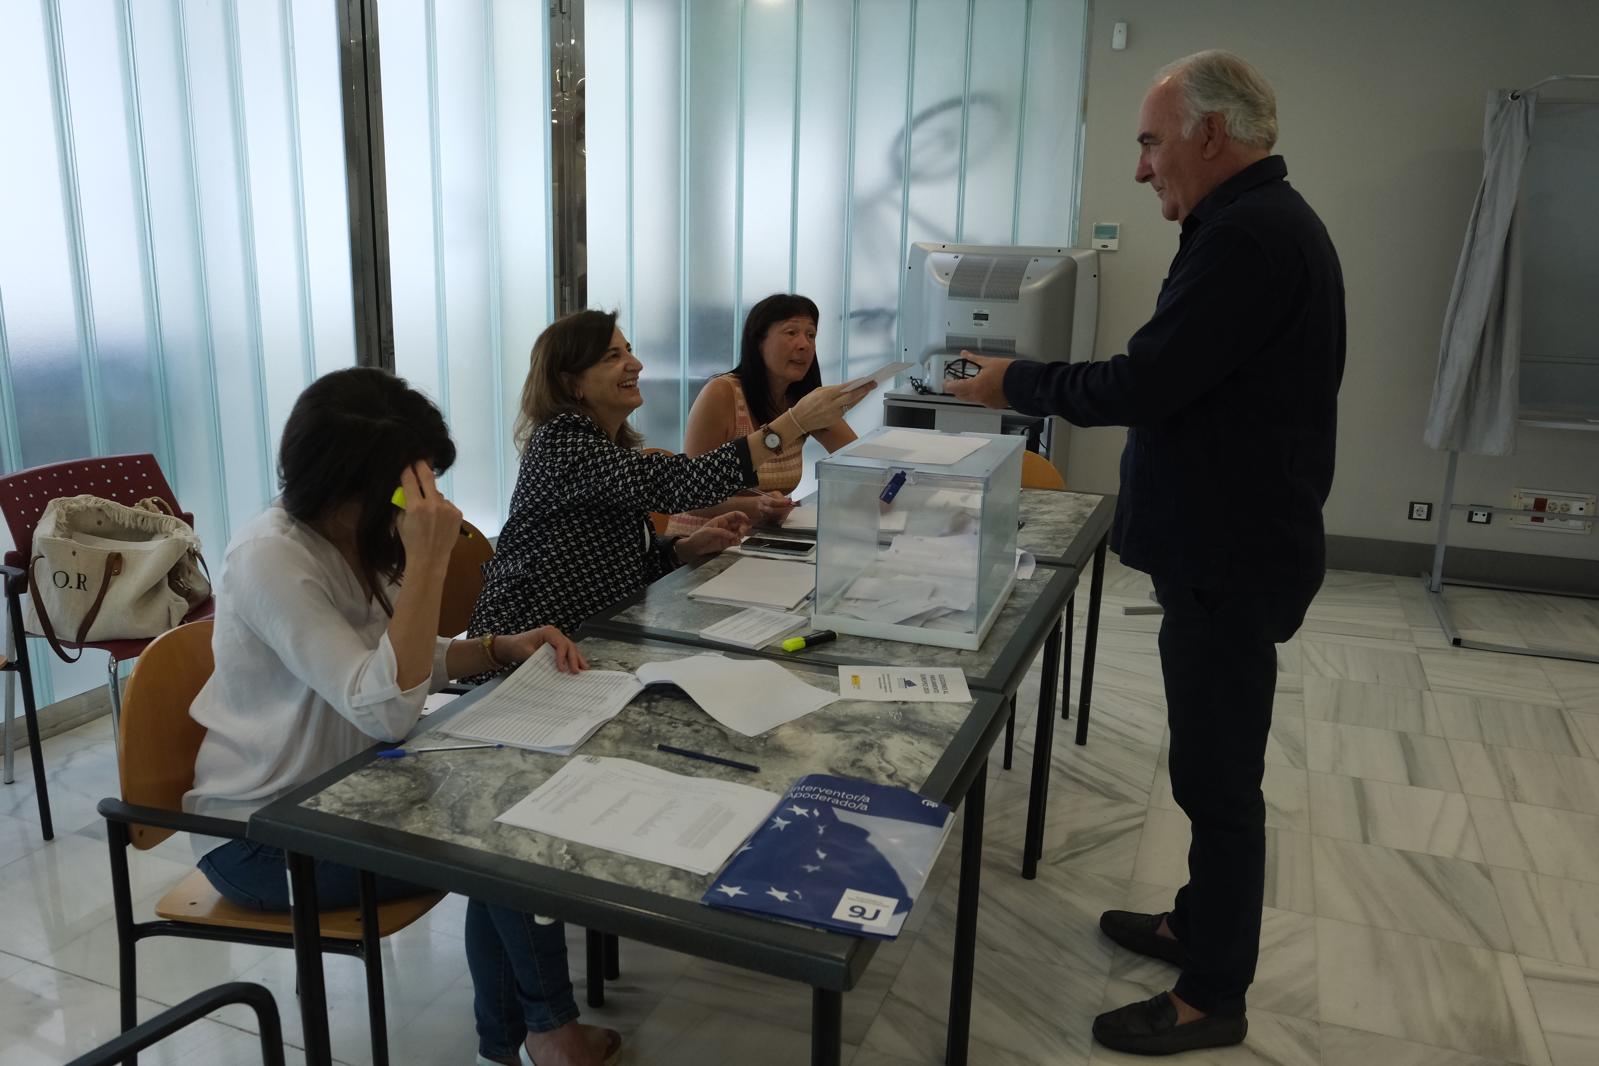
(934, 564)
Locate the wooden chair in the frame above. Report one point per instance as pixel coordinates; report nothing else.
(159, 745)
(23, 496)
(1040, 473)
(463, 581)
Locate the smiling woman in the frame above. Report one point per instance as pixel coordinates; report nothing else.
(777, 366)
(578, 538)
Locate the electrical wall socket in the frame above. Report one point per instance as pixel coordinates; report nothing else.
(1555, 512)
(1420, 511)
(1479, 516)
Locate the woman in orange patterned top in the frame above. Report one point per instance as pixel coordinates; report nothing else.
(776, 366)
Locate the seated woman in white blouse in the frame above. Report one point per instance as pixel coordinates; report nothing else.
(326, 640)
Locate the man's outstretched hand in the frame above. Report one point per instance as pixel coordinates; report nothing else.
(988, 387)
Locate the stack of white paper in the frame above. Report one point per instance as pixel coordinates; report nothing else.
(542, 709)
(755, 627)
(919, 446)
(756, 582)
(748, 696)
(691, 823)
(803, 519)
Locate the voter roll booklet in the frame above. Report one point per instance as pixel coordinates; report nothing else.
(837, 853)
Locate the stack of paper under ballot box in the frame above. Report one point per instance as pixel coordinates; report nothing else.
(935, 563)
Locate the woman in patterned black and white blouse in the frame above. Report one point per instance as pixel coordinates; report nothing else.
(578, 538)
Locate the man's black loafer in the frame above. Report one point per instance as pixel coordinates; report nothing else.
(1150, 1028)
(1137, 932)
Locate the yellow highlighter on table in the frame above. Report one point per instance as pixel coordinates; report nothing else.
(398, 499)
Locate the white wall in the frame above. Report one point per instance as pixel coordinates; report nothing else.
(1380, 105)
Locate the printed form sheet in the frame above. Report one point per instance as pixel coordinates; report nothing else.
(691, 823)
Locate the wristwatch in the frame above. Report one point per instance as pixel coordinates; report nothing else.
(772, 439)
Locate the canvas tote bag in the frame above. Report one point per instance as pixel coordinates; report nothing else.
(102, 570)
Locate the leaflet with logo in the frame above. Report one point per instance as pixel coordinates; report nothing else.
(837, 853)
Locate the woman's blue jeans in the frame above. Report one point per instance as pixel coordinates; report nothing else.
(519, 976)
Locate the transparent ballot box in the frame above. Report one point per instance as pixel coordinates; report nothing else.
(934, 565)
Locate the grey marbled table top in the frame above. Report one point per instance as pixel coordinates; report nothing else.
(665, 611)
(1055, 520)
(454, 797)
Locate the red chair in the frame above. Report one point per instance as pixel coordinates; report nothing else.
(23, 496)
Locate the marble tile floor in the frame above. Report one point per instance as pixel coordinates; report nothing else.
(1432, 894)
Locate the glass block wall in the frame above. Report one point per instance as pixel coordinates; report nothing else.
(737, 148)
(174, 251)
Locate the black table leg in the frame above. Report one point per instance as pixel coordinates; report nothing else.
(1010, 733)
(613, 957)
(308, 959)
(1068, 623)
(1090, 639)
(827, 1027)
(594, 941)
(1043, 756)
(960, 985)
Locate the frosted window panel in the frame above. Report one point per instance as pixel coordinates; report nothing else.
(874, 231)
(1052, 125)
(471, 240)
(43, 338)
(409, 147)
(216, 115)
(521, 117)
(658, 246)
(120, 339)
(274, 224)
(823, 172)
(711, 173)
(767, 152)
(993, 126)
(194, 423)
(324, 195)
(605, 108)
(935, 125)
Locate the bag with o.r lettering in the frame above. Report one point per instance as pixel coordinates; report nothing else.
(102, 570)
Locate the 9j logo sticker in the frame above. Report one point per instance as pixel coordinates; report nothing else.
(865, 909)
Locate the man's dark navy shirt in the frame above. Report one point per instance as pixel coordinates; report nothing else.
(1230, 390)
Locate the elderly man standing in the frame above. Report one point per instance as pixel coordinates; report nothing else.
(1231, 392)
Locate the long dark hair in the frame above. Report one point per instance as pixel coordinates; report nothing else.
(567, 347)
(751, 369)
(350, 435)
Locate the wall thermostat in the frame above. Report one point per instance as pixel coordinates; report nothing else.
(1107, 236)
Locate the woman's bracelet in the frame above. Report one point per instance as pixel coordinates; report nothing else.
(487, 642)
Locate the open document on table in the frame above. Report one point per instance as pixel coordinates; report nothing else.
(541, 709)
(692, 823)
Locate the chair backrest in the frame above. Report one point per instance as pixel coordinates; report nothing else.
(159, 740)
(463, 581)
(123, 478)
(658, 519)
(1040, 473)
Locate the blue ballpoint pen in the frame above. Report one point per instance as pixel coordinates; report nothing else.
(400, 753)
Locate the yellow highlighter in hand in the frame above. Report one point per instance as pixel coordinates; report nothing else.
(398, 499)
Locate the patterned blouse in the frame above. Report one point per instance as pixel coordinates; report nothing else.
(780, 473)
(578, 538)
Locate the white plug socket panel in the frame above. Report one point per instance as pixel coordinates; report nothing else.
(1552, 511)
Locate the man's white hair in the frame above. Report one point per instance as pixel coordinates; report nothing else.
(1220, 82)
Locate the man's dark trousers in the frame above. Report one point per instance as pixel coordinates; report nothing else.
(1218, 656)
